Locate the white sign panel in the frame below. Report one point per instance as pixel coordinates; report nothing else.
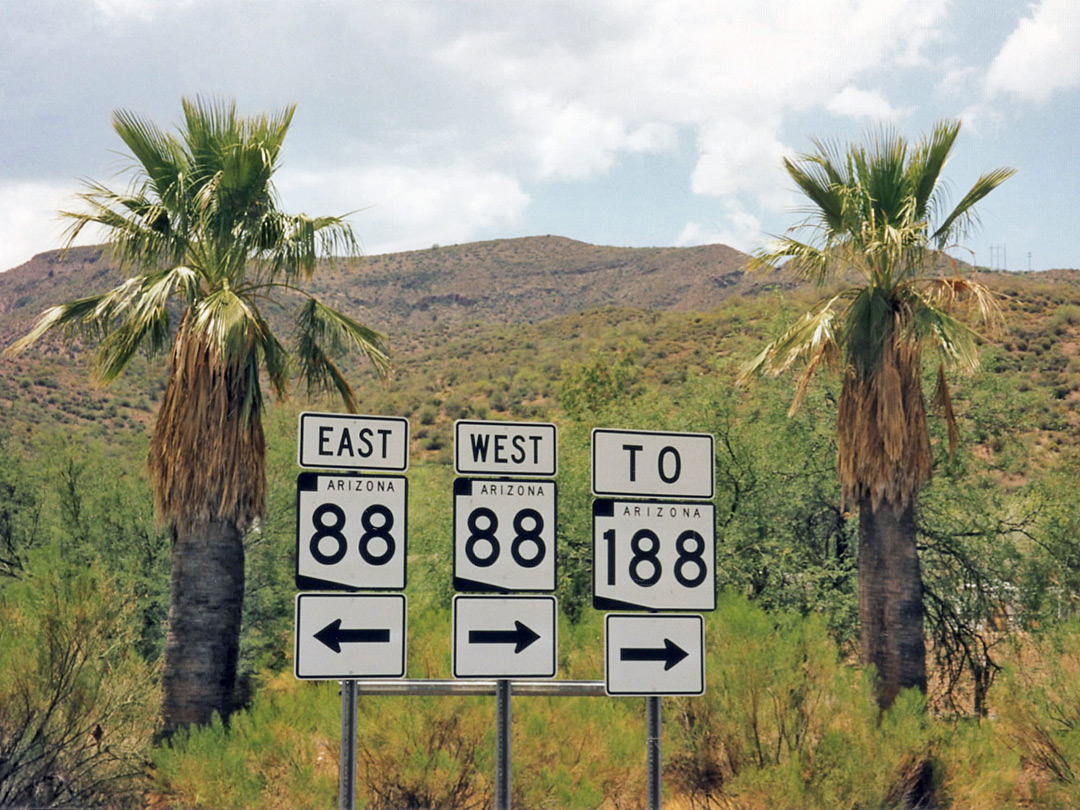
(351, 531)
(504, 535)
(654, 555)
(654, 655)
(344, 636)
(641, 463)
(340, 441)
(505, 448)
(504, 637)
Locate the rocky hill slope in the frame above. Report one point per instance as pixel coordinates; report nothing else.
(501, 281)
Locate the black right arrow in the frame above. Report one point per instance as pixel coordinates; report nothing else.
(671, 654)
(333, 636)
(521, 636)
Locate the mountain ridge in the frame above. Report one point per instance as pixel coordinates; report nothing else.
(502, 280)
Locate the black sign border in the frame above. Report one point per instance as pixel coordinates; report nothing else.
(464, 585)
(350, 677)
(355, 467)
(649, 495)
(306, 583)
(701, 626)
(554, 642)
(605, 507)
(509, 473)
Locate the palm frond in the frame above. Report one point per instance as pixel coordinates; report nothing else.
(957, 292)
(955, 341)
(942, 402)
(159, 155)
(810, 262)
(146, 323)
(321, 332)
(812, 338)
(229, 323)
(931, 156)
(960, 219)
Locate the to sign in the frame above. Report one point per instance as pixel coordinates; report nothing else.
(341, 441)
(344, 636)
(654, 555)
(640, 463)
(504, 535)
(654, 655)
(504, 448)
(504, 637)
(351, 531)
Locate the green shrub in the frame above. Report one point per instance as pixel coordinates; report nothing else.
(785, 724)
(1039, 705)
(77, 703)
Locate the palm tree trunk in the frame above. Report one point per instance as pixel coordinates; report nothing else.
(890, 598)
(202, 646)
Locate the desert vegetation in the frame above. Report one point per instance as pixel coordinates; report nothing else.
(788, 719)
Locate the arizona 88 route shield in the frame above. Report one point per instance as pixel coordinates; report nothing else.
(504, 535)
(351, 531)
(654, 555)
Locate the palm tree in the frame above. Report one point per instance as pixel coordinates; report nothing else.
(879, 214)
(200, 230)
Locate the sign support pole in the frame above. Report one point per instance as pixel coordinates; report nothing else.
(502, 744)
(347, 770)
(652, 747)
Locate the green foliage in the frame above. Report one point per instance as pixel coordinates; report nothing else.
(785, 724)
(1040, 713)
(998, 534)
(277, 754)
(591, 388)
(77, 703)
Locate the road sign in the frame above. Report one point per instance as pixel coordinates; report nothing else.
(654, 555)
(654, 655)
(343, 636)
(642, 463)
(504, 535)
(504, 637)
(340, 441)
(351, 531)
(505, 448)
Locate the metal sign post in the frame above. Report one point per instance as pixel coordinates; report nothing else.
(502, 744)
(347, 767)
(652, 750)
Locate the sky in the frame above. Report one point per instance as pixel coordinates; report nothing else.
(615, 122)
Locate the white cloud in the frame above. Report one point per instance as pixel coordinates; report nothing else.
(29, 223)
(579, 84)
(738, 157)
(404, 207)
(143, 11)
(1041, 56)
(738, 229)
(855, 103)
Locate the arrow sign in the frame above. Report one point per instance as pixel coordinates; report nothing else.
(504, 636)
(333, 636)
(671, 654)
(343, 636)
(677, 642)
(521, 637)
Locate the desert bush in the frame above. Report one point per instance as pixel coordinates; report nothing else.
(1039, 709)
(77, 703)
(785, 724)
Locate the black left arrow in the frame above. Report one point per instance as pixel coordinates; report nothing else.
(333, 636)
(671, 654)
(521, 636)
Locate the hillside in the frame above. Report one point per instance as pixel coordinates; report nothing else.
(501, 281)
(497, 327)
